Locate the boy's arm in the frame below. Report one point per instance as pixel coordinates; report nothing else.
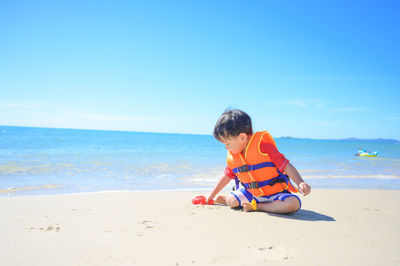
(292, 172)
(223, 181)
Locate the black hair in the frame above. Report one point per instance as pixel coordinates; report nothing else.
(231, 123)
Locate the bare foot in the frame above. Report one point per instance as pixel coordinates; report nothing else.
(247, 207)
(221, 200)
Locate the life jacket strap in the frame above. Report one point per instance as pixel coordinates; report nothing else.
(237, 183)
(270, 182)
(247, 168)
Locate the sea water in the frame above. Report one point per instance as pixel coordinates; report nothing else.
(54, 161)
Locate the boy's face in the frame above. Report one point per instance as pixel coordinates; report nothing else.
(236, 145)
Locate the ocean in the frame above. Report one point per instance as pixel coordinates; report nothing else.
(35, 161)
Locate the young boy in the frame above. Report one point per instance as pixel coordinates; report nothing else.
(263, 171)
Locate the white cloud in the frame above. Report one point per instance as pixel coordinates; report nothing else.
(323, 123)
(305, 103)
(346, 109)
(19, 114)
(296, 102)
(120, 118)
(394, 118)
(19, 105)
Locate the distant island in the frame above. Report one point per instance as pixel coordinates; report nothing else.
(379, 140)
(373, 140)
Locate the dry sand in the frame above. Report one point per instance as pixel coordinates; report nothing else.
(334, 227)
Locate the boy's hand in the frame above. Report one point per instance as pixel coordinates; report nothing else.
(210, 199)
(304, 188)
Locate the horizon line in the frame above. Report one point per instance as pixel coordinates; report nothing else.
(196, 134)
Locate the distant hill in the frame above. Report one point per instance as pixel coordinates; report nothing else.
(351, 139)
(374, 140)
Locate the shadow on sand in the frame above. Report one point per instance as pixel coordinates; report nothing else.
(301, 214)
(306, 215)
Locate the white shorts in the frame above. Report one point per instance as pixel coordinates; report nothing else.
(242, 195)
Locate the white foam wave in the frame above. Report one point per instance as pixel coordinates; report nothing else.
(352, 176)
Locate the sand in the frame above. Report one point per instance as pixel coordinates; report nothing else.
(335, 227)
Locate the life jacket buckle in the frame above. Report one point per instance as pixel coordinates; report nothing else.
(277, 180)
(243, 168)
(253, 185)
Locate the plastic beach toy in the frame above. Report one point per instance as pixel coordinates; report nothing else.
(254, 204)
(202, 201)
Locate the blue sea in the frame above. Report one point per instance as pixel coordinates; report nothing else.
(56, 161)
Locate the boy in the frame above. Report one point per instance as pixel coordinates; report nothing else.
(255, 161)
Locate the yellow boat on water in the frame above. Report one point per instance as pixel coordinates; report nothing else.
(365, 153)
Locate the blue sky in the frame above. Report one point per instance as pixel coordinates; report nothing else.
(318, 69)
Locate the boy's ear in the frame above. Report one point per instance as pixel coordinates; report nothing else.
(243, 137)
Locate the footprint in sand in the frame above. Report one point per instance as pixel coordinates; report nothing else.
(46, 229)
(274, 253)
(80, 210)
(147, 225)
(372, 209)
(270, 247)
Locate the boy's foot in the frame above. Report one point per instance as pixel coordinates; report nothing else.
(221, 200)
(247, 207)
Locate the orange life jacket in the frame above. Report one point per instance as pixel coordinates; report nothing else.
(255, 169)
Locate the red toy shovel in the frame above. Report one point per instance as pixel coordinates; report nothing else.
(202, 200)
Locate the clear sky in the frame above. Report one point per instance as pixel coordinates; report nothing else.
(317, 69)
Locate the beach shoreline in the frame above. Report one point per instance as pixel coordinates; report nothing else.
(346, 227)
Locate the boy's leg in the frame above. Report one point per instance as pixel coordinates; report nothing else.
(232, 201)
(238, 197)
(288, 205)
(278, 203)
(221, 199)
